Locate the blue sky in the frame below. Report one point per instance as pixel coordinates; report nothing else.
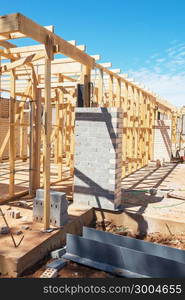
(145, 38)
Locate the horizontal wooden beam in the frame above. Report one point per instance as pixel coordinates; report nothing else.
(9, 23)
(9, 55)
(19, 35)
(17, 63)
(19, 23)
(59, 84)
(31, 49)
(7, 45)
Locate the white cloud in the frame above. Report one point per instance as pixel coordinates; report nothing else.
(170, 87)
(157, 69)
(181, 54)
(175, 48)
(155, 55)
(165, 74)
(160, 60)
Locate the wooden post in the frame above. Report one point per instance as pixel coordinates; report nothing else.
(118, 93)
(56, 128)
(124, 138)
(31, 143)
(60, 135)
(100, 88)
(37, 139)
(47, 135)
(72, 140)
(111, 90)
(68, 117)
(135, 129)
(12, 133)
(22, 135)
(85, 80)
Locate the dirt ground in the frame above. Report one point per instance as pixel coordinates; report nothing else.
(171, 240)
(137, 200)
(74, 270)
(71, 270)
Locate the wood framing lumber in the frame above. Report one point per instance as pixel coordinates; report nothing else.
(9, 23)
(55, 83)
(12, 134)
(37, 138)
(19, 23)
(27, 60)
(60, 132)
(12, 50)
(100, 87)
(19, 35)
(19, 62)
(16, 196)
(6, 139)
(85, 80)
(46, 145)
(7, 44)
(9, 55)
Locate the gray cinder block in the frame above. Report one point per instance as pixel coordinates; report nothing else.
(98, 157)
(15, 214)
(58, 207)
(49, 273)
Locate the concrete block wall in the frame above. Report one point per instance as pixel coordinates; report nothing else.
(97, 159)
(162, 146)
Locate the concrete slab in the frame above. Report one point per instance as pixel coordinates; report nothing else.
(145, 213)
(142, 213)
(35, 245)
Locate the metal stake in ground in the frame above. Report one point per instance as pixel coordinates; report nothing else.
(16, 245)
(8, 227)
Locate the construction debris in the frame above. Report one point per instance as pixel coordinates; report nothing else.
(49, 273)
(14, 214)
(25, 227)
(177, 195)
(4, 230)
(57, 264)
(12, 237)
(19, 232)
(58, 253)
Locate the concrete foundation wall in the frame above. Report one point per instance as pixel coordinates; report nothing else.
(97, 161)
(162, 148)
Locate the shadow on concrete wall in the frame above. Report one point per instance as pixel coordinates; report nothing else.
(165, 135)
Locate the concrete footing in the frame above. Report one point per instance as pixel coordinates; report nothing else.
(58, 207)
(36, 244)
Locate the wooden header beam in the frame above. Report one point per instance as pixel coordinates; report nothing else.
(7, 45)
(19, 23)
